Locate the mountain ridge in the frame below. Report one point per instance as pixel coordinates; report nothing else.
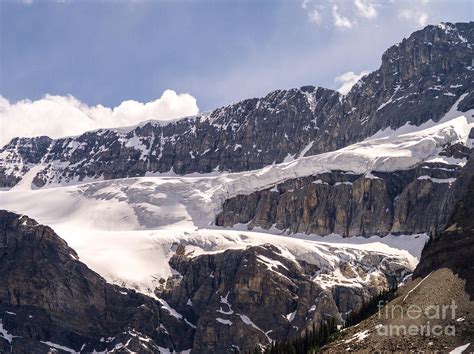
(282, 125)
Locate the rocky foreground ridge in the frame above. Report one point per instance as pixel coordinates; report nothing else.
(419, 79)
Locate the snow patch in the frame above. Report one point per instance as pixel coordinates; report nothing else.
(223, 321)
(460, 350)
(291, 316)
(58, 346)
(5, 334)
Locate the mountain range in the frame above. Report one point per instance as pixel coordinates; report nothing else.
(254, 223)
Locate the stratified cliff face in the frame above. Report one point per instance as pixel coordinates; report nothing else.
(454, 247)
(419, 79)
(400, 202)
(420, 76)
(48, 296)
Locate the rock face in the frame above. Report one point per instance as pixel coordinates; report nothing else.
(50, 299)
(28, 152)
(454, 247)
(401, 202)
(241, 298)
(419, 79)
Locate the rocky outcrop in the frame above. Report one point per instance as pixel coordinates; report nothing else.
(48, 299)
(239, 299)
(400, 202)
(419, 79)
(28, 152)
(454, 247)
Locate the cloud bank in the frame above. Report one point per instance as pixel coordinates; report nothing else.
(349, 79)
(58, 116)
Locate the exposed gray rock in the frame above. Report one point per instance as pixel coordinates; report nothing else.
(454, 247)
(400, 202)
(239, 299)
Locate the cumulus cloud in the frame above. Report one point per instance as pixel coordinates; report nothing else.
(339, 20)
(365, 8)
(347, 80)
(58, 116)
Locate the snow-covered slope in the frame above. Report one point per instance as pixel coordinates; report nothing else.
(125, 228)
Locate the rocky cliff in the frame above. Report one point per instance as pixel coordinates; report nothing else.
(419, 79)
(243, 298)
(378, 203)
(454, 247)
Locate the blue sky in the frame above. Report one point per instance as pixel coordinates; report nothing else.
(218, 51)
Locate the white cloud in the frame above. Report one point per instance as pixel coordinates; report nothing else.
(419, 17)
(347, 14)
(58, 116)
(339, 20)
(416, 14)
(314, 11)
(365, 8)
(315, 16)
(348, 79)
